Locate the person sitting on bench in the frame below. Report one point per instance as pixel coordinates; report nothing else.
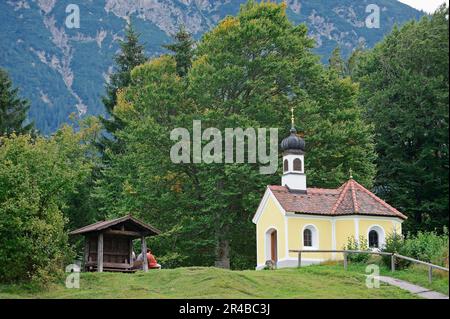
(151, 260)
(152, 263)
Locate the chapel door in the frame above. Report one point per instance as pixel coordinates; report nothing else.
(273, 246)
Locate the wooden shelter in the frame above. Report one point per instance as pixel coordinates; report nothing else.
(109, 244)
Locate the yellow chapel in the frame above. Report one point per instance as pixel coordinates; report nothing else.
(292, 216)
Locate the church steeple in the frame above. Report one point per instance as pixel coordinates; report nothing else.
(293, 148)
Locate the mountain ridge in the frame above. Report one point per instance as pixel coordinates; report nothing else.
(63, 70)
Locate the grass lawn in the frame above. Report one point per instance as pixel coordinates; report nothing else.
(325, 281)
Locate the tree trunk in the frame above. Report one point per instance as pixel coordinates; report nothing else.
(223, 253)
(222, 240)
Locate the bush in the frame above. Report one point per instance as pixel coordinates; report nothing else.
(424, 246)
(429, 247)
(36, 177)
(353, 244)
(171, 260)
(395, 243)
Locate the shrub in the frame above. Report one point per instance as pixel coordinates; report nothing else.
(353, 244)
(424, 246)
(36, 177)
(428, 246)
(171, 260)
(395, 243)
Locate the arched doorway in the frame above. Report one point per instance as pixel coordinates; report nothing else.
(271, 245)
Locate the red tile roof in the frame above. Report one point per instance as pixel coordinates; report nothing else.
(349, 199)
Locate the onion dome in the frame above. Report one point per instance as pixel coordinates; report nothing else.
(293, 142)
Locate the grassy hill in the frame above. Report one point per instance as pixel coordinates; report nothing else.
(326, 281)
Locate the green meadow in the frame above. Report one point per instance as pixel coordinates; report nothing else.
(324, 281)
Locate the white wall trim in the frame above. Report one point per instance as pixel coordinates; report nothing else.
(356, 221)
(333, 238)
(346, 217)
(286, 236)
(262, 205)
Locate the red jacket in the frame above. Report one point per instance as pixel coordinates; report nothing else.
(151, 260)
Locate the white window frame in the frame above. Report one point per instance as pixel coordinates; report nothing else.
(381, 236)
(314, 236)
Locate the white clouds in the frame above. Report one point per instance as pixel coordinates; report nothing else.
(426, 5)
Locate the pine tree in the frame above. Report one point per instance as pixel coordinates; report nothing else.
(353, 60)
(404, 87)
(183, 50)
(13, 109)
(337, 63)
(132, 54)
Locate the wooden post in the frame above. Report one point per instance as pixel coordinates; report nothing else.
(131, 261)
(345, 261)
(393, 262)
(144, 254)
(86, 252)
(100, 253)
(430, 274)
(299, 259)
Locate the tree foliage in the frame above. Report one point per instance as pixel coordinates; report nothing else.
(37, 178)
(404, 87)
(182, 49)
(247, 72)
(131, 54)
(13, 109)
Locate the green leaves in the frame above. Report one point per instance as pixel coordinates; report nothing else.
(13, 109)
(183, 51)
(404, 88)
(247, 72)
(38, 178)
(131, 55)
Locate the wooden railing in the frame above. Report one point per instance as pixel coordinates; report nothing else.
(392, 255)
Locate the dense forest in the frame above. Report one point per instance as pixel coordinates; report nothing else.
(383, 113)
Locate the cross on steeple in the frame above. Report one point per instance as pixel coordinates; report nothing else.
(292, 117)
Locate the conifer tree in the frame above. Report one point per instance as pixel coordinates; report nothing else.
(13, 109)
(183, 50)
(131, 54)
(337, 63)
(404, 88)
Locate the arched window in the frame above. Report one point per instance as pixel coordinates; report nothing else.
(376, 237)
(310, 237)
(286, 165)
(297, 165)
(373, 239)
(307, 238)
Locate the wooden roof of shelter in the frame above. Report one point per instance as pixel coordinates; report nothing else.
(135, 227)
